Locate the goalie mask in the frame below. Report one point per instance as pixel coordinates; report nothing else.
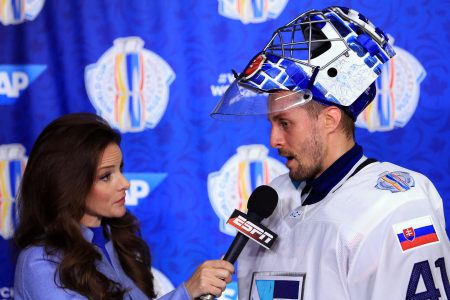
(332, 56)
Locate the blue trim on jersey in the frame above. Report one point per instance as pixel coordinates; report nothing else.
(322, 185)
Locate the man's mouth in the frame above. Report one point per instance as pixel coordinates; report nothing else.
(287, 155)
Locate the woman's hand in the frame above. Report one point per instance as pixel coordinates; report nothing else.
(211, 277)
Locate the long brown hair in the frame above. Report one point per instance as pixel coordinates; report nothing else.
(51, 201)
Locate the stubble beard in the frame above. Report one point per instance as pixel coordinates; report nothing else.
(304, 171)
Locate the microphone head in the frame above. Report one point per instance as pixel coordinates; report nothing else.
(262, 201)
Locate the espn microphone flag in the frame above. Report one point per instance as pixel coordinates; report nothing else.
(257, 232)
(416, 232)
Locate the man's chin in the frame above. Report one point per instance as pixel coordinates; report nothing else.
(295, 176)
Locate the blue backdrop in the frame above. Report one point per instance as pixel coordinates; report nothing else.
(156, 69)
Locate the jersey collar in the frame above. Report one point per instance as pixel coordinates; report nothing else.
(320, 187)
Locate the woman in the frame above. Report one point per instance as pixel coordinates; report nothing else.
(77, 239)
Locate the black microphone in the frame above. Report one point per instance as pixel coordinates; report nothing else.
(261, 204)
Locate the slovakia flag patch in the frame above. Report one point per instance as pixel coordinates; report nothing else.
(416, 232)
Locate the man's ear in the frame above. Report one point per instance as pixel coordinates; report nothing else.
(331, 118)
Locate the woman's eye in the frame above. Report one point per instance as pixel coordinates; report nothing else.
(105, 177)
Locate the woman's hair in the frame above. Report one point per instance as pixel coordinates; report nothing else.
(60, 173)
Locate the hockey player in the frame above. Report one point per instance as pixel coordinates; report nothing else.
(349, 227)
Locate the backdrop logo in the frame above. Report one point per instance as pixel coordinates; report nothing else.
(12, 165)
(18, 11)
(129, 85)
(6, 293)
(223, 82)
(398, 92)
(14, 79)
(141, 185)
(251, 11)
(162, 283)
(230, 188)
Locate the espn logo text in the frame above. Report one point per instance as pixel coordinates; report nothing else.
(256, 232)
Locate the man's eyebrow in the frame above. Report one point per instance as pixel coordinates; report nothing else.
(275, 117)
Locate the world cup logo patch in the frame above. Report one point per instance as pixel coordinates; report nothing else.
(230, 188)
(397, 181)
(12, 165)
(129, 85)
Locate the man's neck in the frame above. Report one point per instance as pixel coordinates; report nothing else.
(334, 151)
(317, 189)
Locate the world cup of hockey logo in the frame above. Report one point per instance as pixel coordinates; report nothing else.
(398, 92)
(230, 188)
(12, 165)
(129, 100)
(251, 11)
(395, 182)
(129, 85)
(14, 12)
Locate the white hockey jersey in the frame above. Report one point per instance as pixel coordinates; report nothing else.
(379, 234)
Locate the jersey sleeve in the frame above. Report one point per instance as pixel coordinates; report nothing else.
(406, 256)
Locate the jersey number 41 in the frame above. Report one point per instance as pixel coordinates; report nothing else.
(423, 270)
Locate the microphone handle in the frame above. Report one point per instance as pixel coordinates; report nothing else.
(232, 254)
(235, 248)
